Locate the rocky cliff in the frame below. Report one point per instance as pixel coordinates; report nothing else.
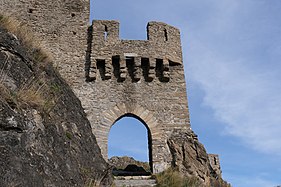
(45, 137)
(191, 159)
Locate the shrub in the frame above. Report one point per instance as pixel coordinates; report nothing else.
(173, 178)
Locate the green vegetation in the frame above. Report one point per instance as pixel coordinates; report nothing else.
(68, 135)
(173, 178)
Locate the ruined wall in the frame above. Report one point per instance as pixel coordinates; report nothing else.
(139, 78)
(60, 25)
(215, 163)
(144, 79)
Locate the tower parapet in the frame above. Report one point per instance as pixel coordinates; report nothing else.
(136, 78)
(161, 50)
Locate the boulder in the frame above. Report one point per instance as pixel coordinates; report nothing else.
(191, 159)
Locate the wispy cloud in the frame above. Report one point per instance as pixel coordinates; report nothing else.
(243, 90)
(252, 181)
(246, 100)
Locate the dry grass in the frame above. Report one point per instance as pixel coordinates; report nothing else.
(26, 37)
(30, 95)
(219, 183)
(33, 93)
(173, 178)
(5, 93)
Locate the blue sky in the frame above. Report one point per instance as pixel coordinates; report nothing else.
(232, 52)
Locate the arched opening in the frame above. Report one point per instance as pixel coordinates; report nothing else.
(129, 146)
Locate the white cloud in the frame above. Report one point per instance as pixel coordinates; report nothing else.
(247, 101)
(235, 62)
(252, 182)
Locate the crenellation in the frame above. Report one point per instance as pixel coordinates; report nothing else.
(163, 43)
(134, 78)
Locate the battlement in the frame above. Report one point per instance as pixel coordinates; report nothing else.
(215, 163)
(152, 57)
(108, 30)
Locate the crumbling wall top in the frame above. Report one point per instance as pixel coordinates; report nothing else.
(163, 42)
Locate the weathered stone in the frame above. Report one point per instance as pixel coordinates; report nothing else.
(45, 137)
(191, 158)
(123, 162)
(144, 75)
(136, 78)
(215, 163)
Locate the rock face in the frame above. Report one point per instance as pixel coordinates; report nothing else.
(112, 77)
(128, 166)
(191, 158)
(45, 137)
(123, 162)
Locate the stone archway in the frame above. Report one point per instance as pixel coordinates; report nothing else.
(144, 78)
(139, 122)
(110, 117)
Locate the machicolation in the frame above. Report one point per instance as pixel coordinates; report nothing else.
(137, 78)
(148, 58)
(114, 78)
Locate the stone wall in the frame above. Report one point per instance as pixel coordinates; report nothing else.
(162, 48)
(139, 78)
(61, 26)
(142, 79)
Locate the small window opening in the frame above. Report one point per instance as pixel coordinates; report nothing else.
(105, 32)
(72, 15)
(74, 33)
(30, 10)
(166, 34)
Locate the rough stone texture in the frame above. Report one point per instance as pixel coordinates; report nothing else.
(162, 48)
(61, 26)
(191, 159)
(141, 79)
(149, 86)
(215, 163)
(135, 183)
(43, 144)
(123, 162)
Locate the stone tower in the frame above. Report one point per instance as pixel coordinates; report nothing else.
(113, 78)
(138, 78)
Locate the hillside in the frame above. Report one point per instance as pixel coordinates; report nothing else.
(45, 137)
